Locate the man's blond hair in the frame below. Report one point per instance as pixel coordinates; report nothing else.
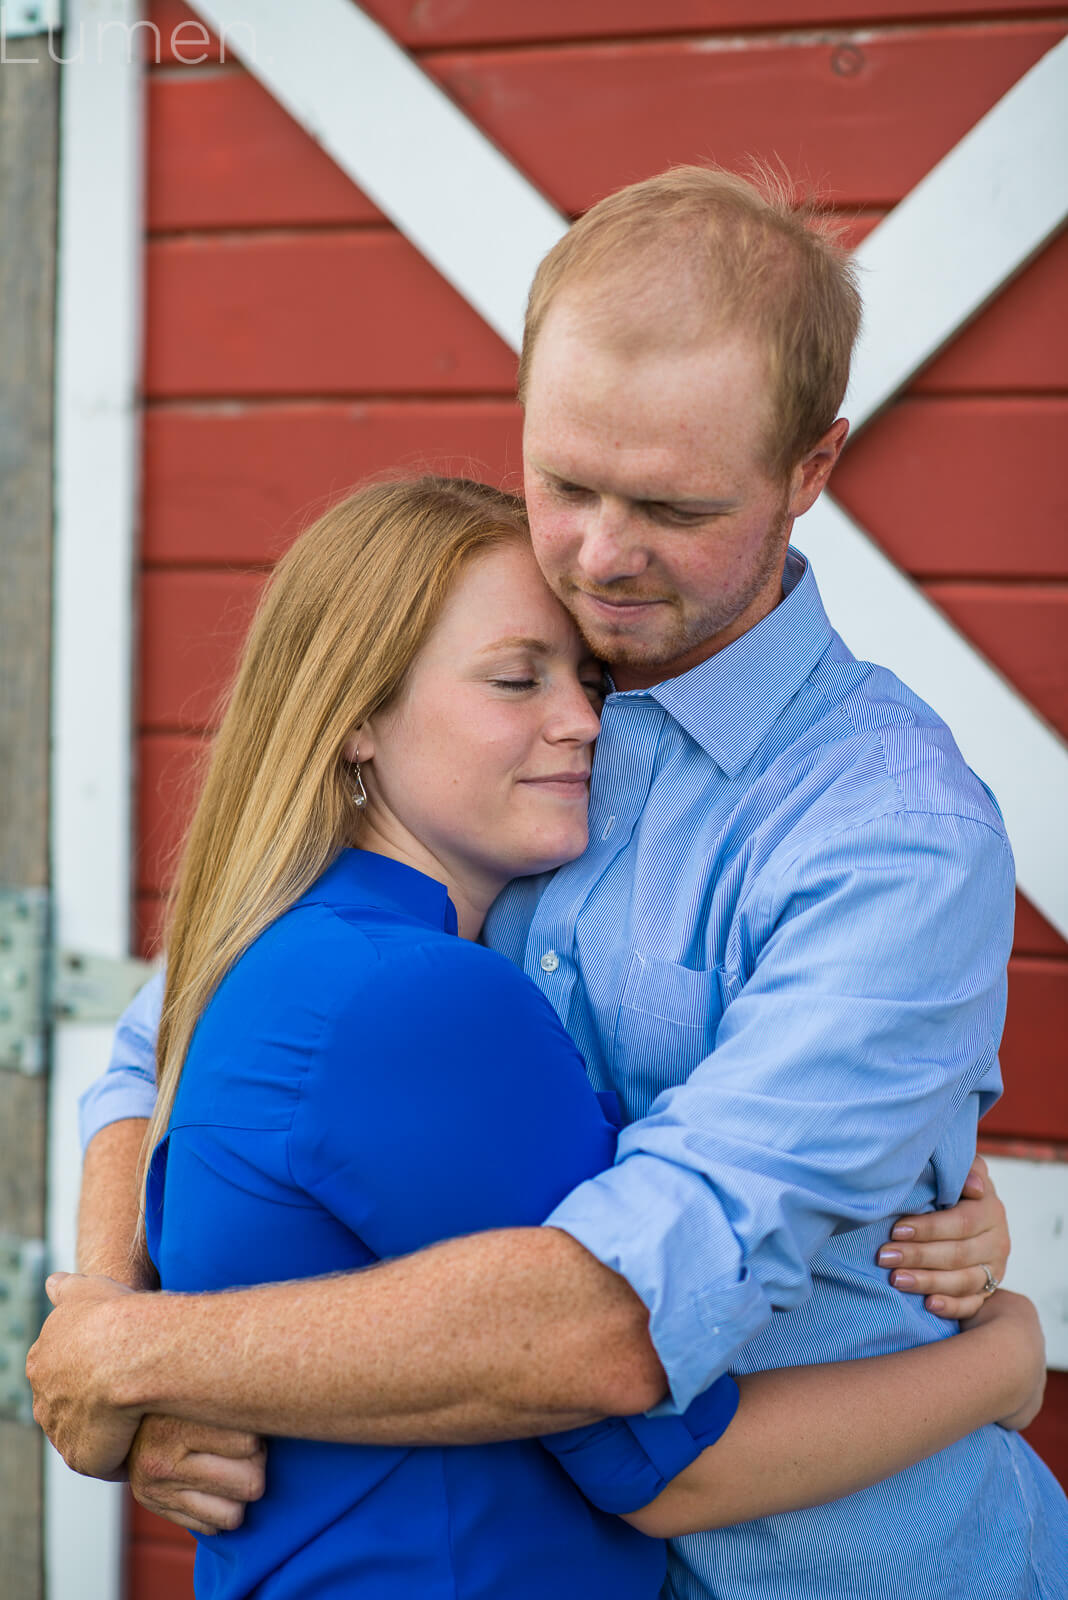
(758, 263)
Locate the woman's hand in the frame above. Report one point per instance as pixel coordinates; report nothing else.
(195, 1475)
(1017, 1322)
(942, 1254)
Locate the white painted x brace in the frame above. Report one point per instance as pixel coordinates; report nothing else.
(976, 218)
(485, 228)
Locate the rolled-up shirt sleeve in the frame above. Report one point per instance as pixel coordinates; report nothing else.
(128, 1087)
(864, 1016)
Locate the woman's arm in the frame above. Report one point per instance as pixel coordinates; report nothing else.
(806, 1435)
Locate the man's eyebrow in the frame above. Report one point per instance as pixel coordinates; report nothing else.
(683, 502)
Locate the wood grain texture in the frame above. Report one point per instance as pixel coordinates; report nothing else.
(169, 771)
(1048, 1434)
(1021, 628)
(193, 625)
(234, 484)
(1035, 1102)
(428, 23)
(963, 486)
(159, 1569)
(581, 122)
(357, 312)
(1019, 342)
(432, 24)
(224, 154)
(1034, 935)
(29, 97)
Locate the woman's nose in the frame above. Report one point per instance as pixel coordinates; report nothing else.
(573, 719)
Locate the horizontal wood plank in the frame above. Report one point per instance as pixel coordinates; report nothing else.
(222, 153)
(1021, 628)
(429, 24)
(1017, 342)
(194, 621)
(158, 1571)
(192, 629)
(865, 121)
(234, 484)
(1034, 935)
(963, 486)
(169, 771)
(455, 22)
(1035, 1102)
(348, 313)
(581, 122)
(361, 312)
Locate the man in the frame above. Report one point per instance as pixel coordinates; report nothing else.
(785, 949)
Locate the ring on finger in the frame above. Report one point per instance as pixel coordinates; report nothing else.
(991, 1282)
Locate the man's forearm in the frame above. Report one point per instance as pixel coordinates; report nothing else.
(495, 1336)
(108, 1209)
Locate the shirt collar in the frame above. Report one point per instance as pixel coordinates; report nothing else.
(730, 702)
(361, 878)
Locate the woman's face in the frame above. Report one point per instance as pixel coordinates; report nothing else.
(484, 759)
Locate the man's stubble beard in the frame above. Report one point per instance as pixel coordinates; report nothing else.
(687, 633)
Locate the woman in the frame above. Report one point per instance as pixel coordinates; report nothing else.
(345, 1075)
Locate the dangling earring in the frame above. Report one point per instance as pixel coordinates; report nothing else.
(359, 793)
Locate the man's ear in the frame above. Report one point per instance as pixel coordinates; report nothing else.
(812, 471)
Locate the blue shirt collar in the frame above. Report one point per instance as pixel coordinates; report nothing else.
(729, 703)
(361, 878)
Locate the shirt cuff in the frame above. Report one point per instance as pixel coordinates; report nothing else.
(113, 1100)
(661, 1227)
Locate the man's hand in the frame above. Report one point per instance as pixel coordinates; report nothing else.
(197, 1476)
(941, 1254)
(68, 1369)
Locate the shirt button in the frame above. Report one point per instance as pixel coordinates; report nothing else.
(550, 961)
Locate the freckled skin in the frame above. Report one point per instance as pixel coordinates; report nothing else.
(653, 515)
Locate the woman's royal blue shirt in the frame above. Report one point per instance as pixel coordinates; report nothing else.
(364, 1083)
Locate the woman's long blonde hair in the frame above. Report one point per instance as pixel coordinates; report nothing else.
(341, 622)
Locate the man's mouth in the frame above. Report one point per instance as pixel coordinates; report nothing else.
(619, 606)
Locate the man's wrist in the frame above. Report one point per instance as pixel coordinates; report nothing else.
(130, 1337)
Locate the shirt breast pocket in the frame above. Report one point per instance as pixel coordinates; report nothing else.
(667, 1023)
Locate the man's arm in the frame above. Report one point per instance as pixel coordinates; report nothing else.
(108, 1209)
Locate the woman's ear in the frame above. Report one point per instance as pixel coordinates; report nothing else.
(360, 745)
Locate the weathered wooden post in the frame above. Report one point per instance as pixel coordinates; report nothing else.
(29, 97)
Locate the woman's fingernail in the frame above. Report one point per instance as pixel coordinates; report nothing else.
(902, 1280)
(889, 1258)
(936, 1303)
(903, 1231)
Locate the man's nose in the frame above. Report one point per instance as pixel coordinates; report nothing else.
(612, 546)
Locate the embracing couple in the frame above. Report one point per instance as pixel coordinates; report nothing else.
(717, 1004)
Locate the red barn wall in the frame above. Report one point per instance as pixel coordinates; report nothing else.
(296, 342)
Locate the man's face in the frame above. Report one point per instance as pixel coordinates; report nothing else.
(653, 515)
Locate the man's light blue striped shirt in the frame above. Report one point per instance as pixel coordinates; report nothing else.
(785, 949)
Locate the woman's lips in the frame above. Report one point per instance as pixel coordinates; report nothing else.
(569, 785)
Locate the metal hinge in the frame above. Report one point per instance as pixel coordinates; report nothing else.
(40, 985)
(21, 18)
(22, 1310)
